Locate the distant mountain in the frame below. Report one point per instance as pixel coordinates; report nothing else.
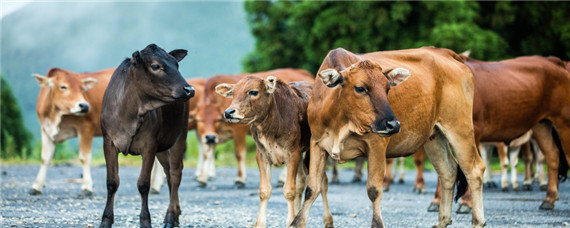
(89, 36)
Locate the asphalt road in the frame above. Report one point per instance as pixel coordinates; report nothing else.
(221, 205)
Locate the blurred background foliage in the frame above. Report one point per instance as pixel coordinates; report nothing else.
(233, 37)
(300, 33)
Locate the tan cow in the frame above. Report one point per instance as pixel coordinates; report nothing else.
(277, 115)
(69, 105)
(213, 129)
(359, 100)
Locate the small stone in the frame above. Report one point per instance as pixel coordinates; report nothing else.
(89, 225)
(566, 224)
(352, 215)
(217, 202)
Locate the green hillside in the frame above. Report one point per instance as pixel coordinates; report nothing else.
(89, 36)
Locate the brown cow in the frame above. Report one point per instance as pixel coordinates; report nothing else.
(69, 105)
(213, 129)
(145, 113)
(517, 95)
(277, 115)
(350, 115)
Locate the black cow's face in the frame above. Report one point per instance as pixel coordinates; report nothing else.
(157, 72)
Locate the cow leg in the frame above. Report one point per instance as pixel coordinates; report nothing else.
(446, 167)
(289, 189)
(434, 205)
(239, 142)
(85, 143)
(419, 158)
(112, 163)
(376, 174)
(401, 172)
(540, 175)
(527, 159)
(503, 158)
(209, 151)
(327, 216)
(164, 161)
(314, 184)
(514, 158)
(201, 161)
(543, 135)
(335, 179)
(48, 148)
(282, 177)
(486, 154)
(300, 186)
(157, 178)
(472, 166)
(358, 165)
(388, 174)
(176, 157)
(264, 189)
(143, 185)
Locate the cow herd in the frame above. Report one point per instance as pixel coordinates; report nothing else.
(373, 106)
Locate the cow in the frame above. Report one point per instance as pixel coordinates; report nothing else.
(277, 115)
(157, 178)
(516, 95)
(389, 104)
(213, 129)
(145, 113)
(69, 105)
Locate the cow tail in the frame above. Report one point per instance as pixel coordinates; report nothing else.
(307, 160)
(562, 162)
(461, 182)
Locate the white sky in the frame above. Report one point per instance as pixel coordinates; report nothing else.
(9, 6)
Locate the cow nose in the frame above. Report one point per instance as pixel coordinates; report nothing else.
(392, 126)
(189, 90)
(228, 113)
(210, 139)
(84, 107)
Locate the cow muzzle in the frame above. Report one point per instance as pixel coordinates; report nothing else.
(210, 139)
(387, 127)
(80, 108)
(231, 116)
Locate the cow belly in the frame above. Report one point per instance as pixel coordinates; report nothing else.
(64, 134)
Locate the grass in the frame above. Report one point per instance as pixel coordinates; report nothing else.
(67, 153)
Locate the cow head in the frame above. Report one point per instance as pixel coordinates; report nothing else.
(251, 98)
(363, 97)
(209, 121)
(66, 90)
(157, 75)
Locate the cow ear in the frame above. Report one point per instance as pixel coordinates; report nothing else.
(397, 76)
(88, 83)
(136, 60)
(179, 54)
(226, 90)
(331, 77)
(43, 80)
(270, 83)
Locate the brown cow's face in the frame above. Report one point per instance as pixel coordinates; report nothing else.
(67, 90)
(159, 76)
(364, 96)
(251, 98)
(209, 122)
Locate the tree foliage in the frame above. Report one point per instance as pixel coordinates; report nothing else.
(300, 33)
(15, 137)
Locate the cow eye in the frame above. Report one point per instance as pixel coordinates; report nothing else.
(63, 87)
(155, 67)
(359, 89)
(253, 93)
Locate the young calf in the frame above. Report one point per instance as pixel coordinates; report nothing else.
(145, 113)
(277, 115)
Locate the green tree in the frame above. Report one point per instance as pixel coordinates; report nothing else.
(15, 137)
(300, 33)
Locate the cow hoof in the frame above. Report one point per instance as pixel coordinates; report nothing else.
(154, 191)
(279, 184)
(35, 192)
(385, 189)
(419, 190)
(433, 207)
(527, 187)
(400, 181)
(546, 206)
(491, 184)
(85, 193)
(202, 184)
(106, 224)
(240, 184)
(505, 189)
(170, 225)
(356, 180)
(543, 188)
(463, 209)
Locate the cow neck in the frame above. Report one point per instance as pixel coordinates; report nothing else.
(52, 116)
(278, 118)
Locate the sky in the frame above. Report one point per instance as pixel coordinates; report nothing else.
(9, 6)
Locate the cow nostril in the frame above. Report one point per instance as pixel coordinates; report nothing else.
(228, 113)
(392, 125)
(210, 139)
(84, 107)
(189, 90)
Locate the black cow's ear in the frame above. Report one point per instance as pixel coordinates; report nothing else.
(136, 60)
(179, 54)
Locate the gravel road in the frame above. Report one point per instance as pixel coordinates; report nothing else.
(220, 205)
